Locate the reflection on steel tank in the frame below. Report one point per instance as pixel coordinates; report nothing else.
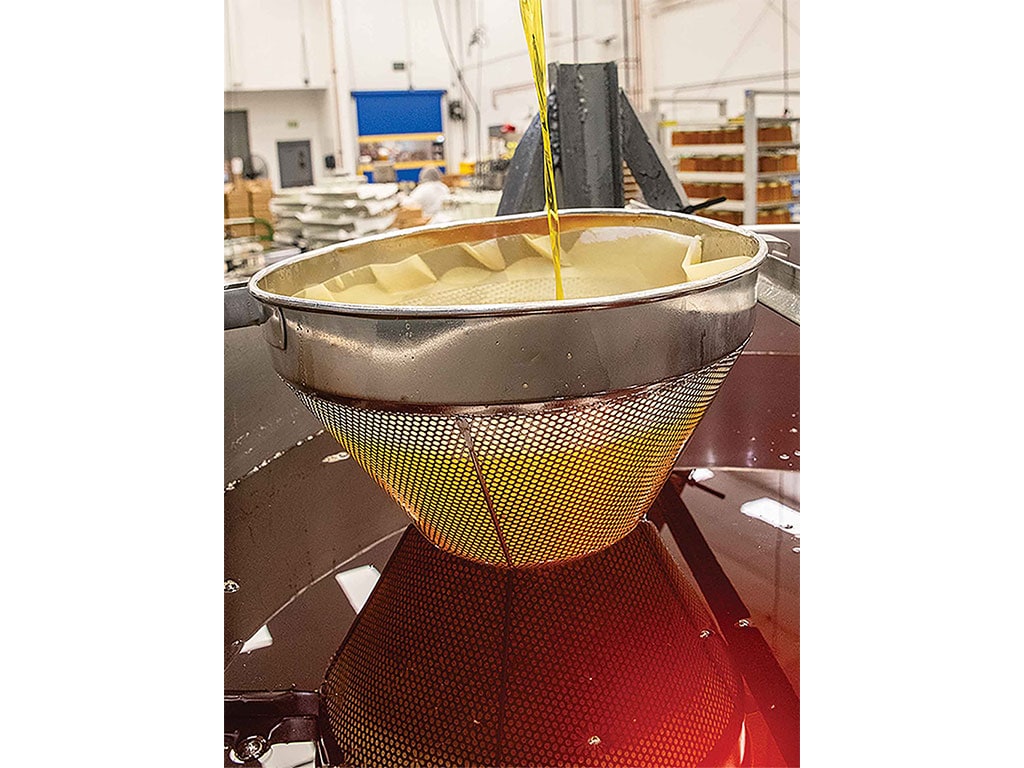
(609, 660)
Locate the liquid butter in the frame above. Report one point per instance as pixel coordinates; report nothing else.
(596, 262)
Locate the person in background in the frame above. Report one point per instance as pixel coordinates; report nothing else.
(430, 193)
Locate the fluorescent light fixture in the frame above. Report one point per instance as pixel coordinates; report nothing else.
(261, 639)
(357, 584)
(774, 513)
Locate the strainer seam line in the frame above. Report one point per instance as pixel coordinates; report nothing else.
(505, 657)
(467, 438)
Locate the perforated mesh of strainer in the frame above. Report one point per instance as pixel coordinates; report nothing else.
(520, 485)
(516, 291)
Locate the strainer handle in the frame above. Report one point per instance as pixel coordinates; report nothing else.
(775, 244)
(778, 280)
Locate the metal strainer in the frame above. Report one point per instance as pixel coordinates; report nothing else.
(514, 434)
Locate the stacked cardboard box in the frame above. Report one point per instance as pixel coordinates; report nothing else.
(236, 206)
(409, 215)
(245, 198)
(260, 193)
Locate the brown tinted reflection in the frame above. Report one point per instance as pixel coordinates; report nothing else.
(602, 661)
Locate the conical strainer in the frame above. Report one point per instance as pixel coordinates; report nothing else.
(514, 434)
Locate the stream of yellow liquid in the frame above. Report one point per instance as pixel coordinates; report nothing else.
(533, 27)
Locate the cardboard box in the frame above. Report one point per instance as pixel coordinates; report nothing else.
(248, 198)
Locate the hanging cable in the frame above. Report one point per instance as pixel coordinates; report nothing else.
(478, 40)
(302, 41)
(458, 71)
(408, 43)
(458, 36)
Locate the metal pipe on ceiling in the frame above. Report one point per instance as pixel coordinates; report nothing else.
(408, 43)
(462, 84)
(496, 92)
(768, 76)
(302, 42)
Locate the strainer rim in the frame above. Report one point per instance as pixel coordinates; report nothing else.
(549, 306)
(554, 404)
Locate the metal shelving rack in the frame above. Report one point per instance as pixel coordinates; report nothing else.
(750, 149)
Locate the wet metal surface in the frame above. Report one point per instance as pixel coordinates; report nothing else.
(596, 661)
(754, 420)
(311, 514)
(589, 133)
(753, 595)
(306, 630)
(290, 524)
(651, 168)
(255, 721)
(761, 561)
(593, 123)
(261, 415)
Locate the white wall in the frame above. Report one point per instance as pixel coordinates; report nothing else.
(501, 69)
(380, 32)
(275, 44)
(691, 49)
(737, 43)
(270, 113)
(372, 35)
(369, 37)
